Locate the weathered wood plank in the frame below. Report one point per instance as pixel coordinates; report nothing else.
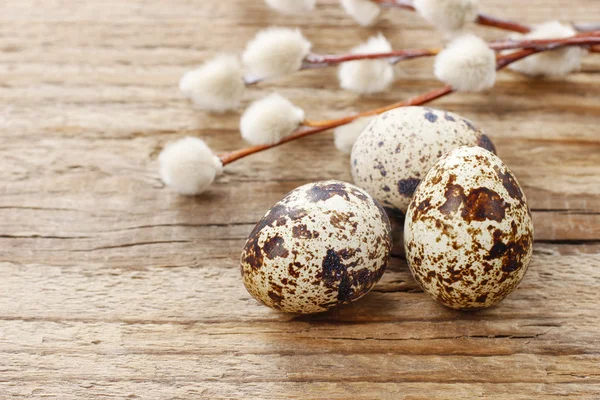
(209, 290)
(216, 389)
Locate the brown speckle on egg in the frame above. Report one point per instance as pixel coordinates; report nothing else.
(322, 192)
(468, 234)
(275, 247)
(322, 245)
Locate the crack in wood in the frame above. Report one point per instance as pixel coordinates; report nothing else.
(573, 211)
(182, 224)
(568, 241)
(118, 246)
(397, 290)
(439, 337)
(36, 236)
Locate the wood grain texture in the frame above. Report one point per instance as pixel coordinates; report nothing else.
(114, 287)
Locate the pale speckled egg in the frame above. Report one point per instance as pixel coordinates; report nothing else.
(395, 151)
(322, 245)
(468, 233)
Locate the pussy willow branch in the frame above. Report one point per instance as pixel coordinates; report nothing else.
(310, 128)
(320, 126)
(314, 60)
(320, 61)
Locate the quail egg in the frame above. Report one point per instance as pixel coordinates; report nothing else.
(324, 244)
(395, 151)
(468, 232)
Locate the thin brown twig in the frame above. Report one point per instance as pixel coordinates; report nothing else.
(414, 101)
(500, 23)
(326, 60)
(507, 59)
(584, 39)
(588, 28)
(313, 127)
(495, 22)
(482, 18)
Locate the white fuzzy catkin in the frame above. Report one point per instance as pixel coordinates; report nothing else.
(467, 64)
(292, 6)
(365, 12)
(557, 62)
(344, 136)
(275, 51)
(447, 15)
(217, 85)
(189, 166)
(368, 76)
(268, 120)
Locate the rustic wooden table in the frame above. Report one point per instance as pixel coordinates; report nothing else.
(114, 287)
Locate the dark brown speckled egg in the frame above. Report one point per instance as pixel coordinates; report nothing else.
(395, 150)
(468, 233)
(322, 245)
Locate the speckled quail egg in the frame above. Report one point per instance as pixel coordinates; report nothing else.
(395, 151)
(324, 244)
(468, 233)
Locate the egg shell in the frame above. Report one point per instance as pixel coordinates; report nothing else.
(468, 232)
(324, 244)
(395, 151)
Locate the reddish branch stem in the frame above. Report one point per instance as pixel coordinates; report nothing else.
(325, 60)
(582, 39)
(589, 29)
(482, 19)
(507, 59)
(489, 20)
(414, 101)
